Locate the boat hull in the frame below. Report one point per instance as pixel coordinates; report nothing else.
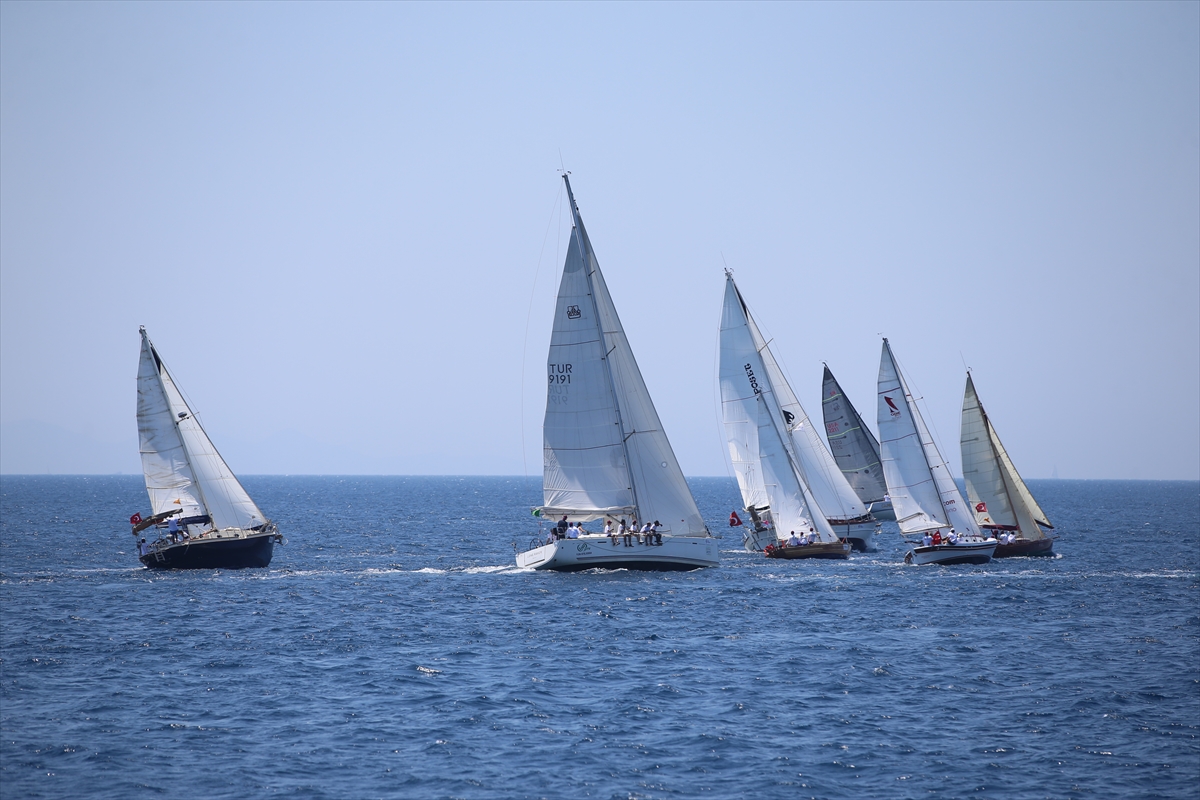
(946, 554)
(821, 550)
(882, 510)
(756, 541)
(1025, 547)
(676, 553)
(254, 551)
(860, 533)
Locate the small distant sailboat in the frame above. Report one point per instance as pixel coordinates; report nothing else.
(202, 516)
(923, 492)
(606, 455)
(855, 448)
(790, 484)
(1002, 503)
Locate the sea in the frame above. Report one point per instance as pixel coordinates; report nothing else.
(393, 650)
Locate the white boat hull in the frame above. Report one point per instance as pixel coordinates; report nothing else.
(861, 535)
(598, 552)
(962, 553)
(882, 509)
(757, 541)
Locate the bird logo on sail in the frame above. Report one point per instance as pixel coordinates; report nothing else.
(788, 417)
(895, 411)
(573, 312)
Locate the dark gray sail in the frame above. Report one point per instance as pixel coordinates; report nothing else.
(853, 446)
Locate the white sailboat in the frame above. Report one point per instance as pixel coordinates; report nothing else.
(202, 516)
(606, 455)
(923, 492)
(855, 448)
(789, 481)
(1001, 501)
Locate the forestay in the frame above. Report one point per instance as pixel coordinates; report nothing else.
(854, 447)
(997, 494)
(919, 482)
(183, 469)
(605, 452)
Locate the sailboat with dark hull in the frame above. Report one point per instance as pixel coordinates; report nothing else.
(1002, 503)
(201, 517)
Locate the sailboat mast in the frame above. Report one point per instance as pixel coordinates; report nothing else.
(585, 252)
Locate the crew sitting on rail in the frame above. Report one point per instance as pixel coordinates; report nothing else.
(794, 540)
(952, 537)
(654, 530)
(624, 530)
(928, 539)
(937, 537)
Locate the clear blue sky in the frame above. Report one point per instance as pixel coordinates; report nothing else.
(331, 217)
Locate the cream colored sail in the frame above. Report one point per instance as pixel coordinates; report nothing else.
(997, 494)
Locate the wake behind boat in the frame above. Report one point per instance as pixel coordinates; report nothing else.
(201, 517)
(606, 456)
(1002, 503)
(924, 495)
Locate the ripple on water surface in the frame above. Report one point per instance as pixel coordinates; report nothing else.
(394, 649)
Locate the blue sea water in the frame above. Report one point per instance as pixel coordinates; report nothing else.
(393, 650)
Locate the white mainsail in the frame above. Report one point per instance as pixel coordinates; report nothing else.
(998, 495)
(923, 492)
(854, 447)
(766, 453)
(183, 469)
(605, 451)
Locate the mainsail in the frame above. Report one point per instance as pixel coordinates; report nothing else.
(763, 423)
(998, 495)
(605, 451)
(183, 469)
(923, 492)
(854, 447)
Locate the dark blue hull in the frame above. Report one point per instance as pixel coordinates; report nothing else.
(255, 551)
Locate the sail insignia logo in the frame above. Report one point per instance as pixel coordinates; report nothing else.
(895, 411)
(788, 417)
(573, 312)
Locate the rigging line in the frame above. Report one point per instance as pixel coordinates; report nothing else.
(529, 315)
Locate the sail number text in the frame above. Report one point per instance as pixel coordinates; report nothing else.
(560, 373)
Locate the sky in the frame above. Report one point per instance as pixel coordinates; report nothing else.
(342, 224)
